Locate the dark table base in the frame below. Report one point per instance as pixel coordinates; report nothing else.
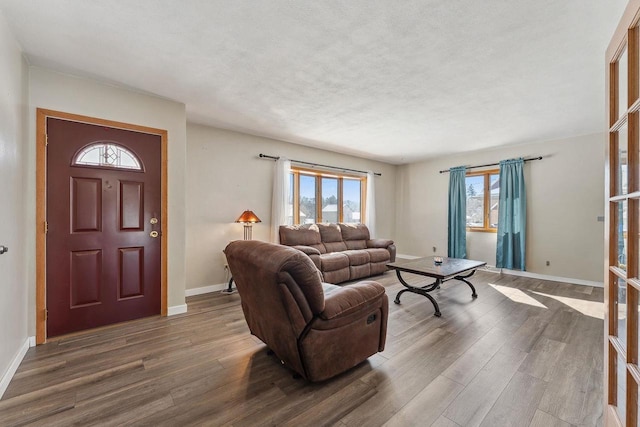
(424, 290)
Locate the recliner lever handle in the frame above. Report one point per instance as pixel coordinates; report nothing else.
(371, 319)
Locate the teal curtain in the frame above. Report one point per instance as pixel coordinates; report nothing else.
(512, 216)
(457, 247)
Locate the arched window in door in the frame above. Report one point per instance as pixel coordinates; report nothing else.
(107, 154)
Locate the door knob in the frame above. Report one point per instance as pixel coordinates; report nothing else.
(153, 220)
(3, 250)
(153, 234)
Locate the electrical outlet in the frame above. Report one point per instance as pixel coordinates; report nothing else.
(548, 263)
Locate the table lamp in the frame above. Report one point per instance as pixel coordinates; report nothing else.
(248, 218)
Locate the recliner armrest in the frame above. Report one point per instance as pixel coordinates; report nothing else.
(307, 249)
(350, 299)
(379, 243)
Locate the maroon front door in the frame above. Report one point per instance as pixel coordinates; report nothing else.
(103, 238)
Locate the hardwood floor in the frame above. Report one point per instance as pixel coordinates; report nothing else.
(525, 353)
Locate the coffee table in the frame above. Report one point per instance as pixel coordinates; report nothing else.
(449, 269)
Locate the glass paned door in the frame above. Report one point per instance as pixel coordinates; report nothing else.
(622, 158)
(621, 233)
(621, 312)
(621, 387)
(622, 230)
(622, 83)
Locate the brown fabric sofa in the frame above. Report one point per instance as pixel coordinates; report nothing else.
(317, 329)
(341, 252)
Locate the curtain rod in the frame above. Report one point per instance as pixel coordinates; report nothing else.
(265, 156)
(493, 164)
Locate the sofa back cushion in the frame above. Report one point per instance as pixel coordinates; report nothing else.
(332, 237)
(301, 235)
(355, 236)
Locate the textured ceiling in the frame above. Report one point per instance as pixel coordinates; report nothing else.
(397, 81)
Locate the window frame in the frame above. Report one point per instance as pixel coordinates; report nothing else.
(487, 200)
(296, 171)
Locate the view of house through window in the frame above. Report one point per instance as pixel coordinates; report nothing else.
(352, 195)
(329, 199)
(483, 193)
(322, 197)
(306, 199)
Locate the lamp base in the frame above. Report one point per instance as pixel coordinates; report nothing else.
(230, 289)
(247, 236)
(247, 231)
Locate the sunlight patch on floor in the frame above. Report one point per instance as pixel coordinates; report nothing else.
(588, 308)
(517, 295)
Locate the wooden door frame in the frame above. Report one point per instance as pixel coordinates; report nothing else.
(41, 197)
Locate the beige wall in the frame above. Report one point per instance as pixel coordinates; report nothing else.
(61, 92)
(564, 198)
(13, 284)
(225, 177)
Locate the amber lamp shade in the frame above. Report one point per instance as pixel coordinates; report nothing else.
(248, 218)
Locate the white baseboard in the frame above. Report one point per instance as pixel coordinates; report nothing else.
(13, 367)
(205, 289)
(32, 341)
(494, 269)
(581, 282)
(405, 256)
(177, 309)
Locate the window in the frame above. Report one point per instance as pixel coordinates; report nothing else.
(483, 194)
(107, 154)
(324, 197)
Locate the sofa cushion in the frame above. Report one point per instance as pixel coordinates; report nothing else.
(357, 257)
(378, 268)
(378, 255)
(333, 261)
(356, 244)
(301, 235)
(316, 260)
(331, 237)
(351, 298)
(337, 276)
(328, 288)
(358, 271)
(354, 232)
(330, 233)
(355, 236)
(335, 246)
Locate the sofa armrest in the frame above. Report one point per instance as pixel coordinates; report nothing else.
(379, 243)
(307, 249)
(352, 298)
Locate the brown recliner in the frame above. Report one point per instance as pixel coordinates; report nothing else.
(317, 329)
